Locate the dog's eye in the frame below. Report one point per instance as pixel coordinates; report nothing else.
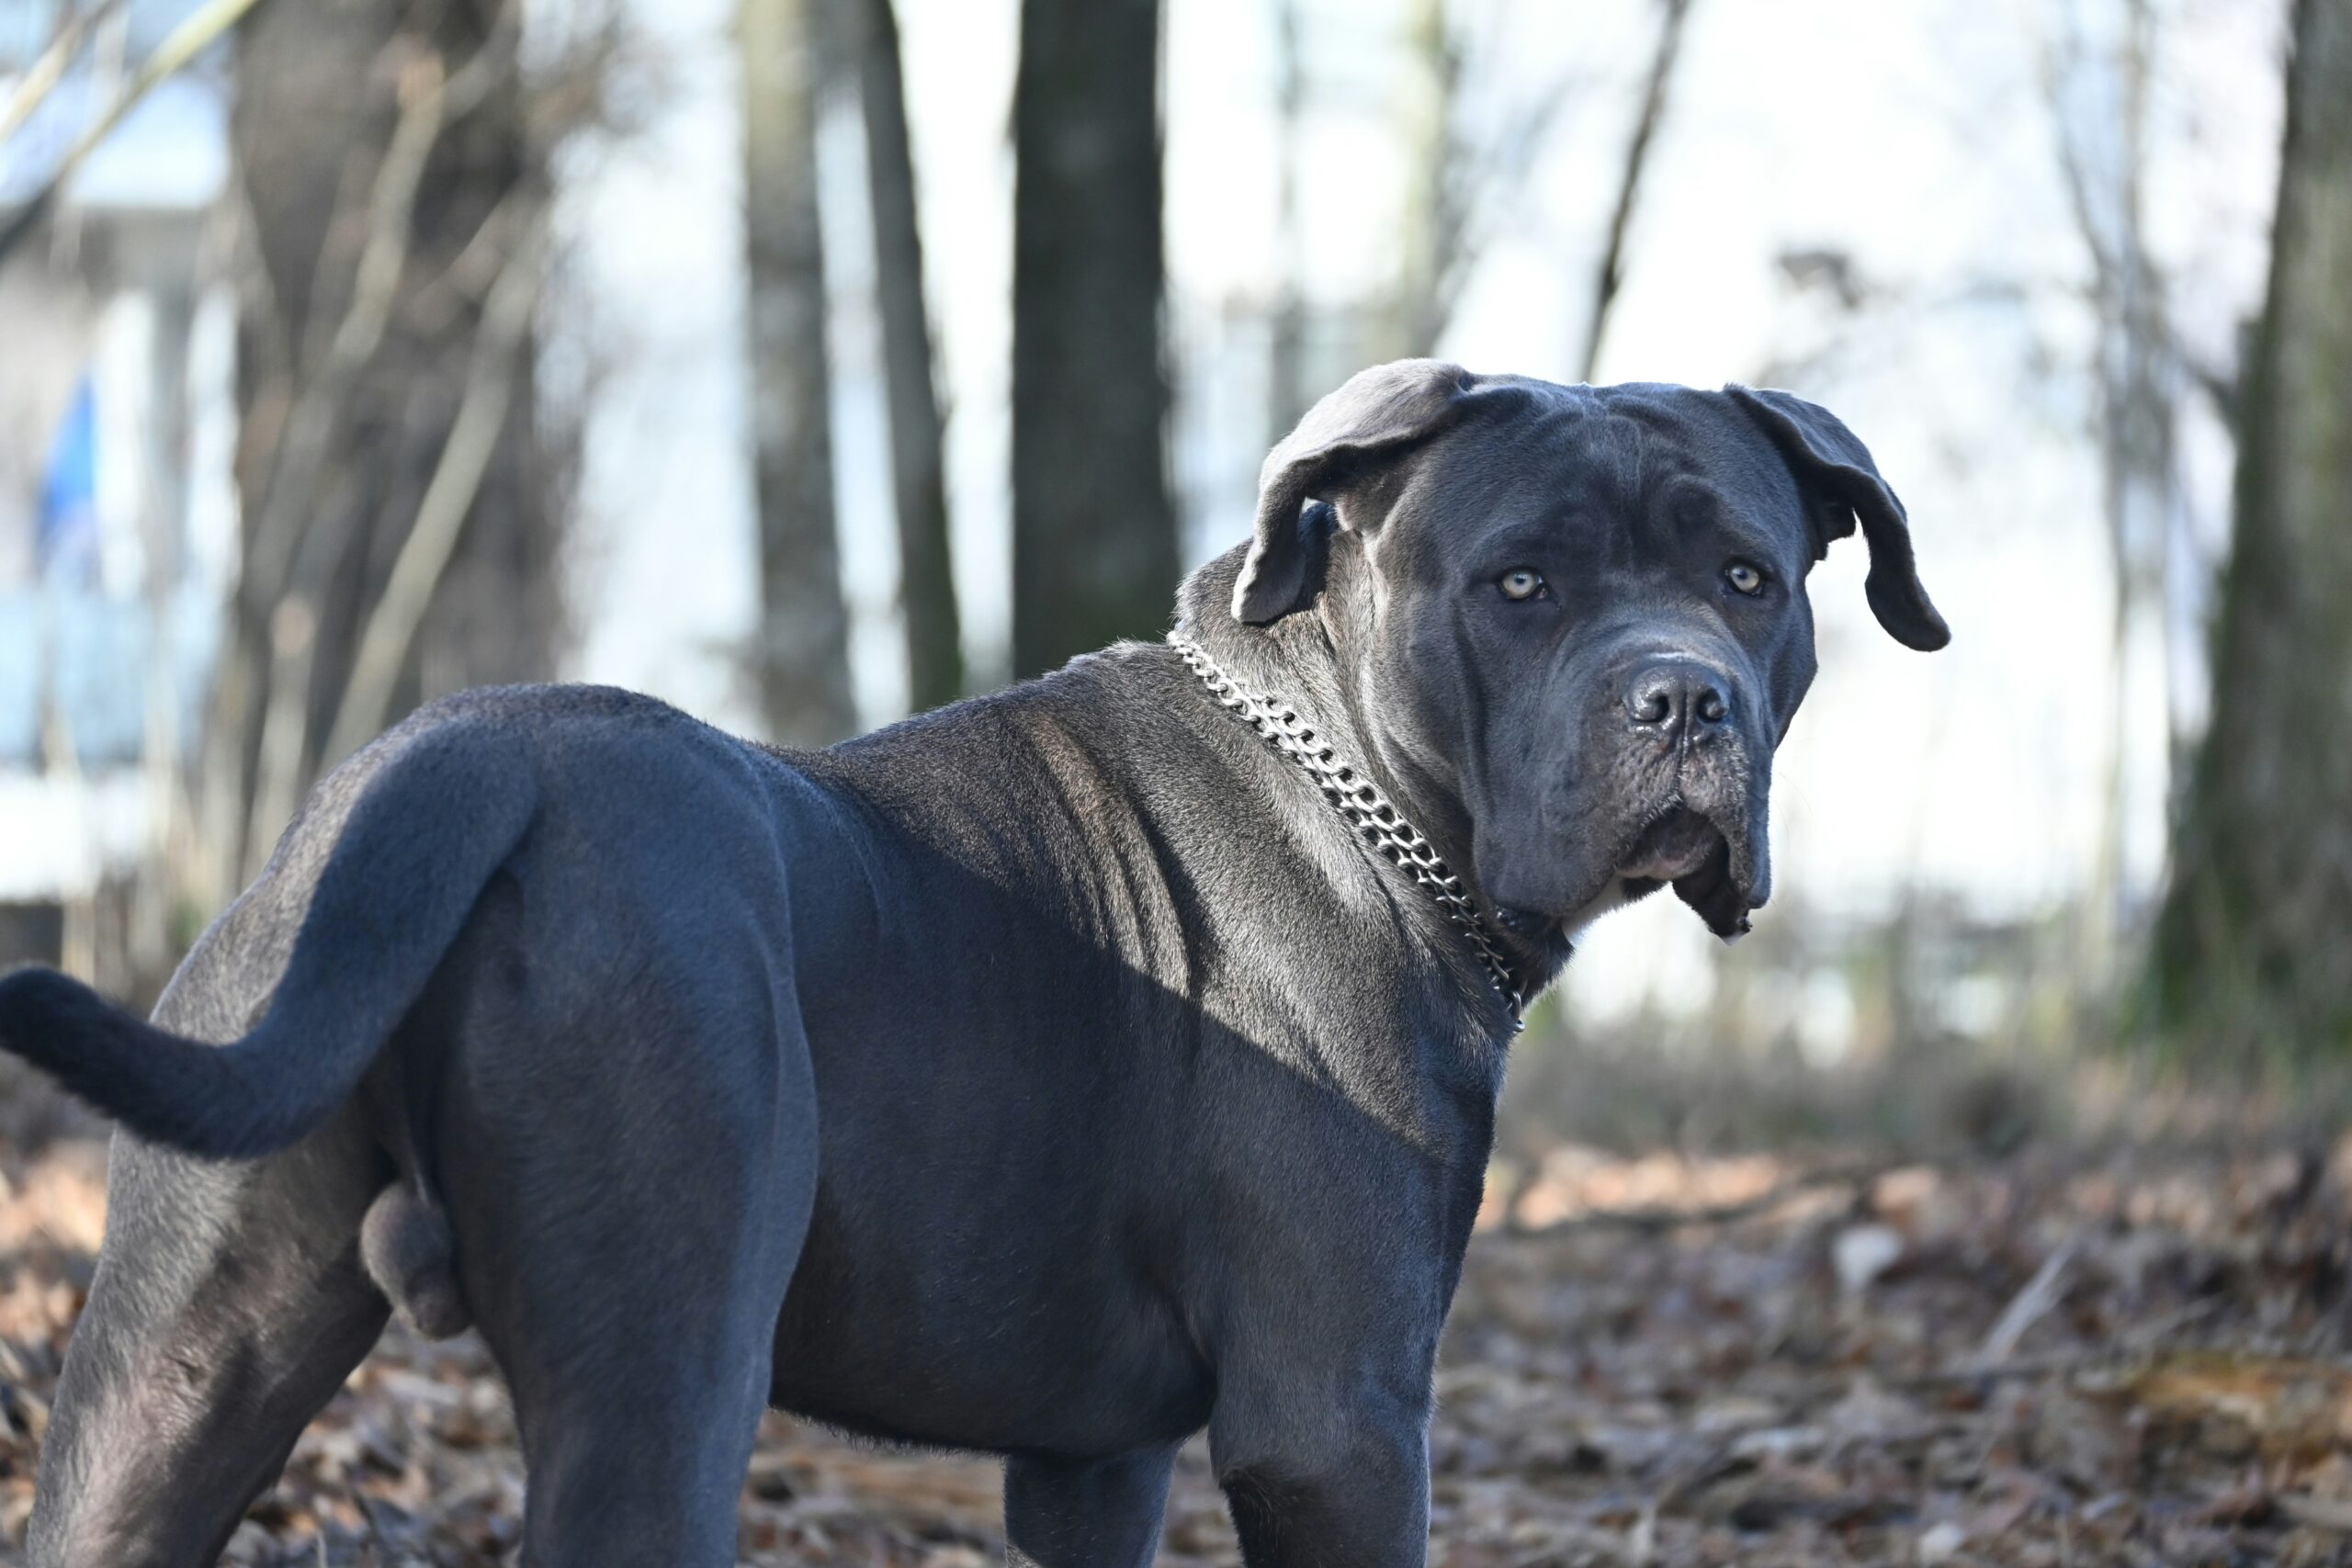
(1743, 578)
(1522, 582)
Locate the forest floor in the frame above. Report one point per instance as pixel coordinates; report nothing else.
(2129, 1357)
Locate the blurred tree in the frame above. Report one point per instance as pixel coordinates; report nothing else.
(1287, 398)
(395, 543)
(801, 652)
(1610, 276)
(2100, 103)
(918, 468)
(1468, 153)
(1434, 248)
(1469, 149)
(1094, 538)
(2251, 943)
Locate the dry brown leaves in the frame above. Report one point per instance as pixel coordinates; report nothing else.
(2133, 1361)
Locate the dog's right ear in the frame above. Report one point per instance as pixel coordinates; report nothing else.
(1379, 410)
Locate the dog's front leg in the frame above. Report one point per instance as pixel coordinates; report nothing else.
(1086, 1514)
(1348, 1490)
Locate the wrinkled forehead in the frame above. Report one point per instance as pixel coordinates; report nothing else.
(1621, 470)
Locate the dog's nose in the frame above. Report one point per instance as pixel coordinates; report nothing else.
(1678, 695)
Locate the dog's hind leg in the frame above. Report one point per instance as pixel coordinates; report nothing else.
(644, 1221)
(230, 1302)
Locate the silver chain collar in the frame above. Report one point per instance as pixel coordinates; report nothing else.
(1373, 814)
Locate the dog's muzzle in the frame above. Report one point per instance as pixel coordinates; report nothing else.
(1705, 829)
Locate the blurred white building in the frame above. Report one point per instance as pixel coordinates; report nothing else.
(116, 518)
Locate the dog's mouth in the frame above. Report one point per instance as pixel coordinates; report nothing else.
(1709, 872)
(1675, 846)
(1711, 858)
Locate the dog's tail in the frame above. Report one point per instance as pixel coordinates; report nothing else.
(409, 831)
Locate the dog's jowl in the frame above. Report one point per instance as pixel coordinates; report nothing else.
(1057, 1074)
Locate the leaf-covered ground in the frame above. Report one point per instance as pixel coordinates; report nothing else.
(2135, 1358)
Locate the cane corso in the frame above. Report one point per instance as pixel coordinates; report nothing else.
(1055, 1075)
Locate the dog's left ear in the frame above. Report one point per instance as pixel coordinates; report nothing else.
(1378, 410)
(1840, 483)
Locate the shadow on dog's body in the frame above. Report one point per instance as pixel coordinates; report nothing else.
(1055, 1075)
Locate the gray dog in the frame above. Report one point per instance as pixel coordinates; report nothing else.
(1055, 1075)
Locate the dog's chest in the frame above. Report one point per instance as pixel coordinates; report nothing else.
(967, 1333)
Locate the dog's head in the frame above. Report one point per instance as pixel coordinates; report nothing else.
(1575, 618)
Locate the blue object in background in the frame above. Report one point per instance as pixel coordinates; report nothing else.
(65, 533)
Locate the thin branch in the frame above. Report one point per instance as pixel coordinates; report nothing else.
(287, 558)
(436, 302)
(2133, 372)
(320, 402)
(1611, 272)
(50, 69)
(1462, 184)
(205, 26)
(1489, 189)
(2028, 1307)
(2331, 1513)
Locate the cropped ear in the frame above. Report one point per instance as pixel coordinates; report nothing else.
(1840, 483)
(1385, 406)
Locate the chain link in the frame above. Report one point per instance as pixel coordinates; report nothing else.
(1373, 814)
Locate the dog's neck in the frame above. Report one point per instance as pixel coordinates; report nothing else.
(1302, 661)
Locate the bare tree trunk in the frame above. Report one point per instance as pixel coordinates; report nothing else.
(1611, 274)
(918, 466)
(386, 167)
(802, 642)
(1432, 247)
(1286, 394)
(2251, 945)
(1094, 541)
(2137, 426)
